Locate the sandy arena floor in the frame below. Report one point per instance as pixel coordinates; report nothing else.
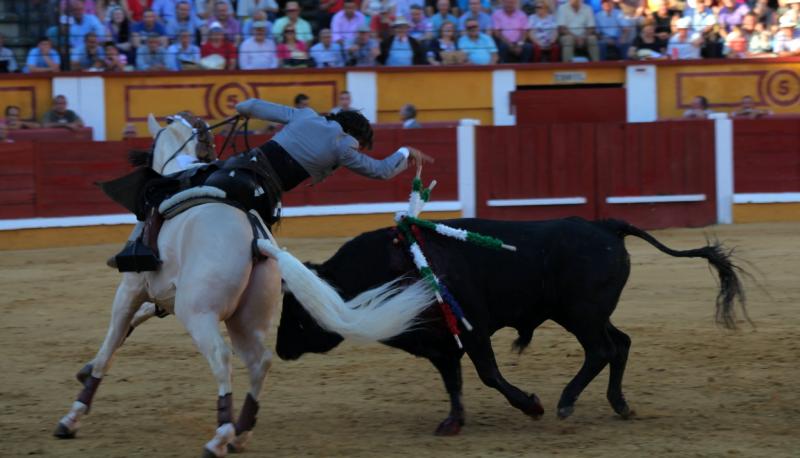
(698, 390)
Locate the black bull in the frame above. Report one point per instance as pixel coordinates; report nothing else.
(570, 271)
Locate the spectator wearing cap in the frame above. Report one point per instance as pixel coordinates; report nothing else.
(791, 9)
(420, 29)
(510, 28)
(183, 54)
(685, 44)
(152, 56)
(576, 29)
(543, 33)
(610, 26)
(258, 16)
(479, 47)
(474, 10)
(182, 20)
(381, 23)
(400, 49)
(218, 44)
(345, 23)
(364, 50)
(222, 16)
(442, 14)
(259, 51)
(147, 27)
(60, 116)
(248, 8)
(42, 58)
(787, 42)
(302, 29)
(7, 59)
(327, 53)
(82, 24)
(88, 56)
(731, 15)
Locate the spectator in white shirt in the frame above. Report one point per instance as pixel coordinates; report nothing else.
(576, 27)
(684, 45)
(326, 53)
(787, 42)
(259, 51)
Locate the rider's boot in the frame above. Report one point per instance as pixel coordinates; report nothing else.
(136, 255)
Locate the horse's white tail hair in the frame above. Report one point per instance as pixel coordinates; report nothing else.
(377, 314)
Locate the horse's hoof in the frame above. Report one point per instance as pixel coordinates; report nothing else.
(84, 373)
(451, 426)
(564, 412)
(208, 454)
(535, 410)
(62, 432)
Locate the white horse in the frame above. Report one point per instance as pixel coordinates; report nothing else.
(208, 275)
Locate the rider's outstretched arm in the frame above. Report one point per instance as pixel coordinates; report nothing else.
(382, 169)
(268, 111)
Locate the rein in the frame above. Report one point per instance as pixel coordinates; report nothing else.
(202, 130)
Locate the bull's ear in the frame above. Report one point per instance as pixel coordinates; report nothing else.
(152, 125)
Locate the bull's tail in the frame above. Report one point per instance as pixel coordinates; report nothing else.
(730, 287)
(377, 314)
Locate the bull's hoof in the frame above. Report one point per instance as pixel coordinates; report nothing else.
(565, 412)
(451, 426)
(625, 412)
(208, 454)
(62, 432)
(84, 373)
(535, 409)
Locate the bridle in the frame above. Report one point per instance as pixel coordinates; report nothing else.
(198, 132)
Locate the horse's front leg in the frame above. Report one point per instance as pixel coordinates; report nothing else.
(130, 294)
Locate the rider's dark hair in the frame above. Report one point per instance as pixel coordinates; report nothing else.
(356, 125)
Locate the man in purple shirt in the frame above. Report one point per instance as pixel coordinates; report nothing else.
(510, 29)
(222, 14)
(731, 14)
(345, 23)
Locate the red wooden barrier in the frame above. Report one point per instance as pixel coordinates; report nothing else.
(672, 161)
(56, 135)
(766, 155)
(537, 162)
(664, 160)
(46, 179)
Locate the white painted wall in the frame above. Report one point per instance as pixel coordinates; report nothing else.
(641, 93)
(504, 82)
(86, 97)
(363, 87)
(467, 184)
(723, 148)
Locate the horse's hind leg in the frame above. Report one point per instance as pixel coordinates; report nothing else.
(204, 329)
(248, 329)
(617, 369)
(598, 350)
(130, 295)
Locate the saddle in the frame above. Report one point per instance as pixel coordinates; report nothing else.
(245, 181)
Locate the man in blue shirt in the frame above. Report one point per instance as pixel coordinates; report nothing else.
(183, 52)
(400, 49)
(326, 53)
(148, 26)
(151, 57)
(6, 55)
(610, 27)
(442, 15)
(475, 12)
(182, 20)
(89, 55)
(479, 47)
(43, 58)
(82, 24)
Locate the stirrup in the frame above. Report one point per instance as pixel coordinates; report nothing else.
(137, 257)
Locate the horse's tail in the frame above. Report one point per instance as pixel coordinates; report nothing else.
(718, 257)
(377, 314)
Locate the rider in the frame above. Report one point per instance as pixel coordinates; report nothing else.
(310, 145)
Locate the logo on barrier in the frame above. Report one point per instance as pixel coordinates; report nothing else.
(783, 88)
(227, 96)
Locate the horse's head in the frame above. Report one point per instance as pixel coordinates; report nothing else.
(184, 134)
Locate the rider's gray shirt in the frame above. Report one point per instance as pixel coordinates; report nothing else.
(320, 145)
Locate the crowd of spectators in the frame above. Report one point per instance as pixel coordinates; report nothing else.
(119, 35)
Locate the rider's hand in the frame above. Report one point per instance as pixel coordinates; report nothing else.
(246, 108)
(418, 157)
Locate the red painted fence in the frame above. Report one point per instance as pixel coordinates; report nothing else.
(44, 179)
(524, 172)
(767, 155)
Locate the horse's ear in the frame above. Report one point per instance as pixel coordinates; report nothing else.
(152, 125)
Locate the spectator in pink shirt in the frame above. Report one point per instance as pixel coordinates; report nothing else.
(345, 23)
(510, 29)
